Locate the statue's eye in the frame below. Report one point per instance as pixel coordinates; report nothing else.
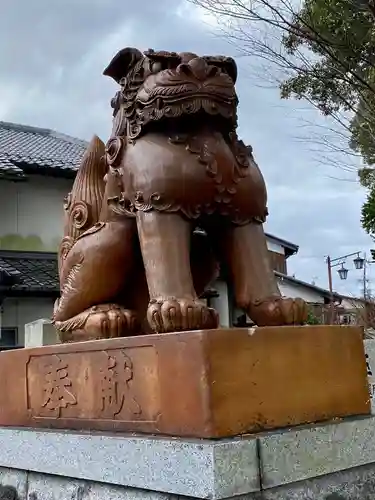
(156, 66)
(114, 101)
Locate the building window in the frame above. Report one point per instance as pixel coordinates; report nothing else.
(346, 319)
(8, 338)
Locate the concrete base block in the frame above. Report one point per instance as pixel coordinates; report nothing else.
(300, 454)
(43, 487)
(40, 332)
(352, 484)
(200, 468)
(327, 462)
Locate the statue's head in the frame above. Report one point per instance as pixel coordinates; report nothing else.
(162, 86)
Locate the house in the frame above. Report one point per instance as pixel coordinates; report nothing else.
(357, 311)
(37, 169)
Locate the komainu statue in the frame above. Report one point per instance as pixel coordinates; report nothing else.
(132, 260)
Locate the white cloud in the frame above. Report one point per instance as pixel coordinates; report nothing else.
(197, 15)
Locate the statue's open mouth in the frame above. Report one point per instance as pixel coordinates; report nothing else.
(167, 95)
(163, 100)
(172, 85)
(160, 107)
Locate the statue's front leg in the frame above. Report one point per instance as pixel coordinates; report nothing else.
(165, 246)
(255, 286)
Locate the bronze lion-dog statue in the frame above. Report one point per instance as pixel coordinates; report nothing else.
(132, 259)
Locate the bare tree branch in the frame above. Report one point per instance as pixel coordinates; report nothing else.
(256, 28)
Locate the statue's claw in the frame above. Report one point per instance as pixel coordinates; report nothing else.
(172, 315)
(99, 322)
(278, 311)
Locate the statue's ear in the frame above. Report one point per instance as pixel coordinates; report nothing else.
(122, 63)
(231, 67)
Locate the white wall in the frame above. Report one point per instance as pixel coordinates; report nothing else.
(18, 312)
(293, 291)
(31, 220)
(275, 247)
(32, 213)
(221, 303)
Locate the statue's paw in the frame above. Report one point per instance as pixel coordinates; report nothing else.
(172, 315)
(278, 311)
(108, 321)
(103, 321)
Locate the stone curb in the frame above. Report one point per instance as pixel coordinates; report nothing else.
(198, 468)
(287, 457)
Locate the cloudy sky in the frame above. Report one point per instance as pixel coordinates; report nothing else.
(52, 55)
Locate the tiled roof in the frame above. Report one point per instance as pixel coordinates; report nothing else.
(24, 149)
(28, 272)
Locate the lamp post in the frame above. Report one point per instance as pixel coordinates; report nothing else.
(359, 263)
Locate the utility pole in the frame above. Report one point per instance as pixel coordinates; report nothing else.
(364, 278)
(331, 307)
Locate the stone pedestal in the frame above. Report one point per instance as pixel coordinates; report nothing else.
(213, 383)
(39, 333)
(327, 462)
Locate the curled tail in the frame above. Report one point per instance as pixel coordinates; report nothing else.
(96, 255)
(83, 204)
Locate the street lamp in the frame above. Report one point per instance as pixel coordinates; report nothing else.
(343, 272)
(359, 263)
